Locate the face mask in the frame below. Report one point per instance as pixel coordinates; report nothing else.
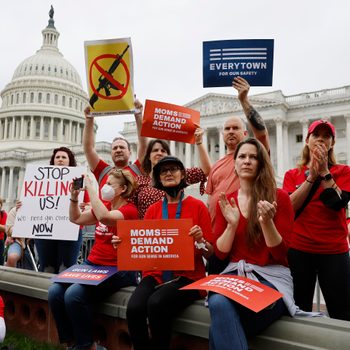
(173, 191)
(107, 193)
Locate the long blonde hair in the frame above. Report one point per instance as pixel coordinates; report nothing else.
(264, 188)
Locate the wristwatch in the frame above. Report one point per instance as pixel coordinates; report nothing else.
(327, 177)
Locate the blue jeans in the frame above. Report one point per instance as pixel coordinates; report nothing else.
(56, 256)
(232, 323)
(72, 306)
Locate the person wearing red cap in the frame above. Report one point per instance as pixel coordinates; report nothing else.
(320, 190)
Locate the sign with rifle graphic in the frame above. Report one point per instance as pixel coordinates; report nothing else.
(109, 71)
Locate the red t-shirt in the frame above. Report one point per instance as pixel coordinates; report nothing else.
(259, 254)
(191, 208)
(319, 229)
(3, 218)
(102, 252)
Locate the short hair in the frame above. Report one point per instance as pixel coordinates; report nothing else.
(71, 156)
(123, 139)
(146, 164)
(127, 179)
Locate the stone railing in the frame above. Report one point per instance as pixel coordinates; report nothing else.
(25, 296)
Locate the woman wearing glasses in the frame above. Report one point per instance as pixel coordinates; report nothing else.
(157, 149)
(72, 304)
(153, 299)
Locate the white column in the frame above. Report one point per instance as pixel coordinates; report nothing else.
(51, 129)
(279, 145)
(79, 140)
(212, 147)
(286, 157)
(41, 128)
(22, 134)
(60, 136)
(32, 127)
(12, 130)
(10, 191)
(221, 144)
(70, 132)
(3, 181)
(305, 123)
(5, 128)
(347, 136)
(172, 147)
(188, 156)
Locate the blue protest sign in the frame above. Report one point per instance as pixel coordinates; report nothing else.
(85, 274)
(251, 59)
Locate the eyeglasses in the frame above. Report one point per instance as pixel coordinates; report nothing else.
(173, 169)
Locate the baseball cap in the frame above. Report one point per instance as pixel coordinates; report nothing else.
(319, 122)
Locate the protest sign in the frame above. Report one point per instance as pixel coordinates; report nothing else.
(251, 294)
(45, 203)
(155, 245)
(169, 122)
(85, 274)
(225, 59)
(109, 71)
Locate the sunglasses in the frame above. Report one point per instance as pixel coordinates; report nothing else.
(173, 169)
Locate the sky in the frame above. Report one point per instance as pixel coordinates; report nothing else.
(312, 50)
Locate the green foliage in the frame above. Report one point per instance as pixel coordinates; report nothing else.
(16, 341)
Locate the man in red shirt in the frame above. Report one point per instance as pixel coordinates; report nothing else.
(120, 151)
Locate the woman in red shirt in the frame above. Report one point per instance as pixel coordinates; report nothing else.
(153, 299)
(72, 304)
(320, 190)
(253, 226)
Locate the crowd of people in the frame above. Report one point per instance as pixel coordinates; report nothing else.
(283, 238)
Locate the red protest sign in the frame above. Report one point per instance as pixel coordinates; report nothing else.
(170, 122)
(155, 245)
(251, 294)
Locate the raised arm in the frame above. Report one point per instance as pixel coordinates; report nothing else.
(102, 214)
(142, 141)
(204, 159)
(75, 215)
(89, 140)
(255, 120)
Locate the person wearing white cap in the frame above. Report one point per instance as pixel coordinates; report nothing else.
(319, 189)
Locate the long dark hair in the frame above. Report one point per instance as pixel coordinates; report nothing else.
(146, 164)
(263, 188)
(71, 156)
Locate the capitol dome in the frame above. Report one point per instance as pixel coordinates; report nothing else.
(44, 101)
(42, 108)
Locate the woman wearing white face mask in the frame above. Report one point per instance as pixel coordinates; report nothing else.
(74, 319)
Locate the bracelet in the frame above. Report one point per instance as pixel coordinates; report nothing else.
(334, 185)
(73, 200)
(199, 143)
(310, 182)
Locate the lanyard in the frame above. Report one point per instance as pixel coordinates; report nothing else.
(165, 214)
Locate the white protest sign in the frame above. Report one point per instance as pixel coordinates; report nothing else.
(45, 203)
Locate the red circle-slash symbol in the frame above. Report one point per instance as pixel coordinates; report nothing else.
(113, 83)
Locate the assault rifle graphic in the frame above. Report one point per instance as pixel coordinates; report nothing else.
(104, 83)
